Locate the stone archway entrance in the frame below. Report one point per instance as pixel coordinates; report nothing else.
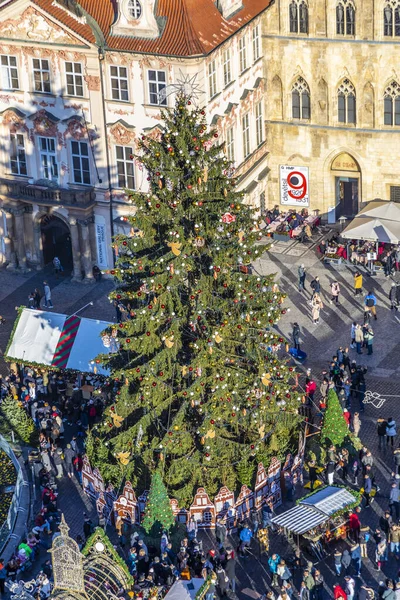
(347, 175)
(56, 241)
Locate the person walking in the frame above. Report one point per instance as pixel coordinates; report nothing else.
(396, 458)
(69, 456)
(394, 501)
(356, 558)
(391, 431)
(230, 568)
(370, 304)
(388, 263)
(346, 560)
(358, 338)
(337, 557)
(296, 336)
(335, 291)
(301, 272)
(393, 297)
(358, 282)
(315, 286)
(47, 295)
(364, 538)
(381, 425)
(349, 587)
(367, 489)
(356, 424)
(316, 307)
(57, 266)
(330, 471)
(369, 338)
(353, 334)
(38, 297)
(273, 563)
(57, 456)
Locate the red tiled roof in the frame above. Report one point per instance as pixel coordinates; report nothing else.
(192, 27)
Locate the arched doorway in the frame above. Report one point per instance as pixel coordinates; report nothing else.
(56, 241)
(347, 185)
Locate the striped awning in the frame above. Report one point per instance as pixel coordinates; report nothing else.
(300, 519)
(314, 510)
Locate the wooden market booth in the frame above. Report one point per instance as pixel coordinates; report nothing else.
(318, 518)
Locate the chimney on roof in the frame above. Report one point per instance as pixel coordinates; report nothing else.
(228, 7)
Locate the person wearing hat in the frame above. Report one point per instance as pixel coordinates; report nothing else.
(355, 553)
(358, 282)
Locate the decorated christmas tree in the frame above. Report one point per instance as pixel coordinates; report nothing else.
(14, 417)
(202, 387)
(334, 427)
(158, 515)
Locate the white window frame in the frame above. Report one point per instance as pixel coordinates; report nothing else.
(48, 158)
(230, 144)
(256, 43)
(79, 161)
(135, 10)
(227, 65)
(242, 55)
(119, 83)
(212, 78)
(18, 154)
(125, 164)
(156, 85)
(9, 72)
(246, 135)
(74, 78)
(45, 76)
(259, 123)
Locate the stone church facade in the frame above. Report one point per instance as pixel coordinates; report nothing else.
(333, 101)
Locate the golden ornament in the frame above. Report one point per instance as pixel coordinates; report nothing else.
(225, 192)
(210, 434)
(261, 431)
(218, 338)
(117, 420)
(175, 248)
(266, 378)
(247, 318)
(169, 341)
(205, 174)
(123, 457)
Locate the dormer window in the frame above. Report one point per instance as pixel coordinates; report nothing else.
(135, 9)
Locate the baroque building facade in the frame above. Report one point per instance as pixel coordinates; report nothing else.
(333, 103)
(81, 81)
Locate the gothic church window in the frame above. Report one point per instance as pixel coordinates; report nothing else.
(298, 16)
(391, 18)
(300, 99)
(345, 18)
(391, 103)
(347, 103)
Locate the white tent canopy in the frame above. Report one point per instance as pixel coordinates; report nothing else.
(184, 590)
(59, 341)
(373, 230)
(382, 210)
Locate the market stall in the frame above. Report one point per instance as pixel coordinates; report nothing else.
(194, 589)
(59, 341)
(318, 519)
(372, 233)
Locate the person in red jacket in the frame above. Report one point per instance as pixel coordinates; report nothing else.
(355, 525)
(311, 387)
(347, 416)
(339, 593)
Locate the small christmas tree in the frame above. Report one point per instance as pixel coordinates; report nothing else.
(15, 417)
(158, 515)
(334, 428)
